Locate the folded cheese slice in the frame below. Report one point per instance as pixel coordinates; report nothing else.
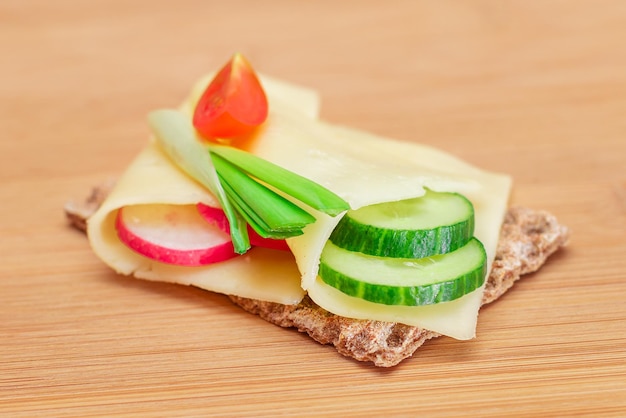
(362, 168)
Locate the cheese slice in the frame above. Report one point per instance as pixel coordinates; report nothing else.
(362, 168)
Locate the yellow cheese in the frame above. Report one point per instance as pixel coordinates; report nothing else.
(362, 168)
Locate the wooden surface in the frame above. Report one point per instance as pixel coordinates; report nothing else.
(536, 89)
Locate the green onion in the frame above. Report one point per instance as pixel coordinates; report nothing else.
(176, 136)
(284, 215)
(234, 177)
(253, 218)
(296, 186)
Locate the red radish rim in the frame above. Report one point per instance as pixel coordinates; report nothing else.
(191, 258)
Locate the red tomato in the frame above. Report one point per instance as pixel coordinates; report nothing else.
(233, 104)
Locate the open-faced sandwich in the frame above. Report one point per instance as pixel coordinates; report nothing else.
(371, 244)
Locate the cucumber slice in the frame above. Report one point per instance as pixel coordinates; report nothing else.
(435, 223)
(402, 281)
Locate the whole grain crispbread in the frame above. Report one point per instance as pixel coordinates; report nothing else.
(527, 238)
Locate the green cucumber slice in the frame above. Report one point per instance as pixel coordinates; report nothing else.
(436, 223)
(402, 281)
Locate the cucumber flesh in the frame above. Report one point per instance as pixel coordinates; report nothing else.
(436, 223)
(405, 281)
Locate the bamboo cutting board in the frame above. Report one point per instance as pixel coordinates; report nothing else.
(533, 89)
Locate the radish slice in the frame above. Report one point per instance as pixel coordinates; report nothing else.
(173, 234)
(217, 218)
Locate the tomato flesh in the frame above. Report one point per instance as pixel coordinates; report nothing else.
(233, 104)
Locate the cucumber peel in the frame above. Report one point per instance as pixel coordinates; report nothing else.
(436, 223)
(401, 281)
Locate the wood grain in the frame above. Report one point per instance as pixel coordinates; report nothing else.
(534, 89)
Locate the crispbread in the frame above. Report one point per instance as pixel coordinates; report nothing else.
(527, 238)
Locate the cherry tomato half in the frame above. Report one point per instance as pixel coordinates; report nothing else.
(233, 104)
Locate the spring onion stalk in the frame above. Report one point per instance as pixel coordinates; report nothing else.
(294, 185)
(284, 215)
(234, 177)
(253, 218)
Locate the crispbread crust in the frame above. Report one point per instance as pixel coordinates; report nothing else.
(527, 238)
